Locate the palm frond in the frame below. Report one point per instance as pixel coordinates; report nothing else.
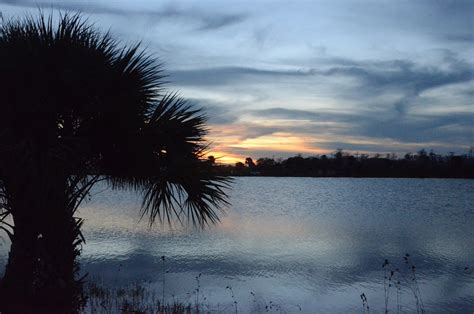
(96, 109)
(171, 173)
(5, 210)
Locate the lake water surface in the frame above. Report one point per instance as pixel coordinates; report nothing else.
(309, 243)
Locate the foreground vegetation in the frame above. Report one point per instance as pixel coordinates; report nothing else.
(140, 299)
(135, 299)
(400, 286)
(422, 164)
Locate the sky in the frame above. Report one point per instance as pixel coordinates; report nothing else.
(280, 78)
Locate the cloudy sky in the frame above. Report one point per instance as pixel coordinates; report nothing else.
(278, 78)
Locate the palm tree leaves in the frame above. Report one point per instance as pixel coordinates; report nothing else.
(172, 175)
(73, 70)
(176, 123)
(187, 181)
(4, 210)
(97, 111)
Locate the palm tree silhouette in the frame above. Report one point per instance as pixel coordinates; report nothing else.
(77, 109)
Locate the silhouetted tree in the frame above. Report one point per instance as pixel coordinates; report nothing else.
(211, 159)
(77, 109)
(249, 162)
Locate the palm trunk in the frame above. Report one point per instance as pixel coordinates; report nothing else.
(41, 270)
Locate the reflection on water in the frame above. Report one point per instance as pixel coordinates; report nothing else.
(313, 242)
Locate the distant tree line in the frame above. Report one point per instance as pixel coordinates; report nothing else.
(422, 164)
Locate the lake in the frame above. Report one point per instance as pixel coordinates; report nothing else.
(314, 244)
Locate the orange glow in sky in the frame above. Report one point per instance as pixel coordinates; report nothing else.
(225, 147)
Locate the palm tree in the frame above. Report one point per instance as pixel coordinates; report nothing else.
(78, 109)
